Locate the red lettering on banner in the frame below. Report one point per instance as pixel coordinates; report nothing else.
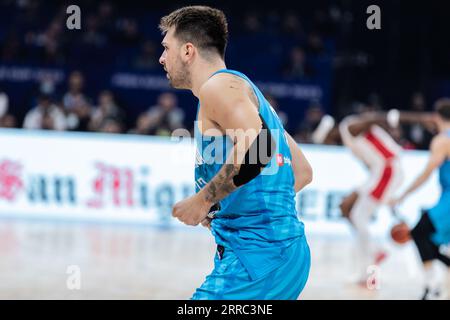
(112, 185)
(10, 180)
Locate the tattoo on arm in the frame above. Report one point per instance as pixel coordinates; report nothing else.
(222, 184)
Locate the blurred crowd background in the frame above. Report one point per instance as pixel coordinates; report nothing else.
(312, 58)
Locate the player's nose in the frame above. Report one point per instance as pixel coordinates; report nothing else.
(162, 60)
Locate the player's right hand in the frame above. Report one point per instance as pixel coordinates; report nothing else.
(207, 223)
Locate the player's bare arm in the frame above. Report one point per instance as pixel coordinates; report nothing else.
(354, 125)
(424, 118)
(439, 147)
(303, 172)
(358, 124)
(226, 102)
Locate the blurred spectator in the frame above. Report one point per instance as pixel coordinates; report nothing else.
(92, 36)
(418, 135)
(106, 18)
(47, 85)
(76, 105)
(45, 115)
(46, 46)
(252, 23)
(162, 118)
(128, 33)
(292, 26)
(111, 125)
(142, 125)
(375, 102)
(360, 107)
(325, 21)
(281, 114)
(76, 83)
(399, 137)
(51, 44)
(315, 45)
(147, 58)
(6, 120)
(297, 66)
(11, 48)
(313, 116)
(106, 109)
(4, 103)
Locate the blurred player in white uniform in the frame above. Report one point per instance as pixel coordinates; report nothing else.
(373, 145)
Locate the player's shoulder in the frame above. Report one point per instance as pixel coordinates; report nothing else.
(223, 82)
(222, 88)
(440, 141)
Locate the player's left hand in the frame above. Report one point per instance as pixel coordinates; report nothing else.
(192, 210)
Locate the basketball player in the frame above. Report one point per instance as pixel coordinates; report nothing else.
(262, 251)
(433, 228)
(371, 143)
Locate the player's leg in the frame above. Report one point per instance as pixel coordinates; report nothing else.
(391, 182)
(444, 254)
(352, 208)
(429, 252)
(360, 216)
(214, 286)
(347, 204)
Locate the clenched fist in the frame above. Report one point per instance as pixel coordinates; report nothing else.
(192, 210)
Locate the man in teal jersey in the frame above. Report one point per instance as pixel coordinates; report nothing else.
(262, 251)
(432, 232)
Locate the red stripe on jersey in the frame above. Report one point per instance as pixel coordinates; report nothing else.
(381, 187)
(385, 152)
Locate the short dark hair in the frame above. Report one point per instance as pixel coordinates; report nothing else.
(442, 107)
(205, 27)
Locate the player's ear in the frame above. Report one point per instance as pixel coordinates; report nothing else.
(188, 51)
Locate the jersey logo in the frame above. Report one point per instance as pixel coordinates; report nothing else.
(280, 159)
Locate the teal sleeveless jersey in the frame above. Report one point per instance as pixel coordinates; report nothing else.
(444, 173)
(440, 213)
(258, 221)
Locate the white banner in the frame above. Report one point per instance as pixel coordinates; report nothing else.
(127, 178)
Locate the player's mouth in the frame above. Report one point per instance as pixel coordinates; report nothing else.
(167, 73)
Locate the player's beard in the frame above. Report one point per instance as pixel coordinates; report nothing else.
(180, 77)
